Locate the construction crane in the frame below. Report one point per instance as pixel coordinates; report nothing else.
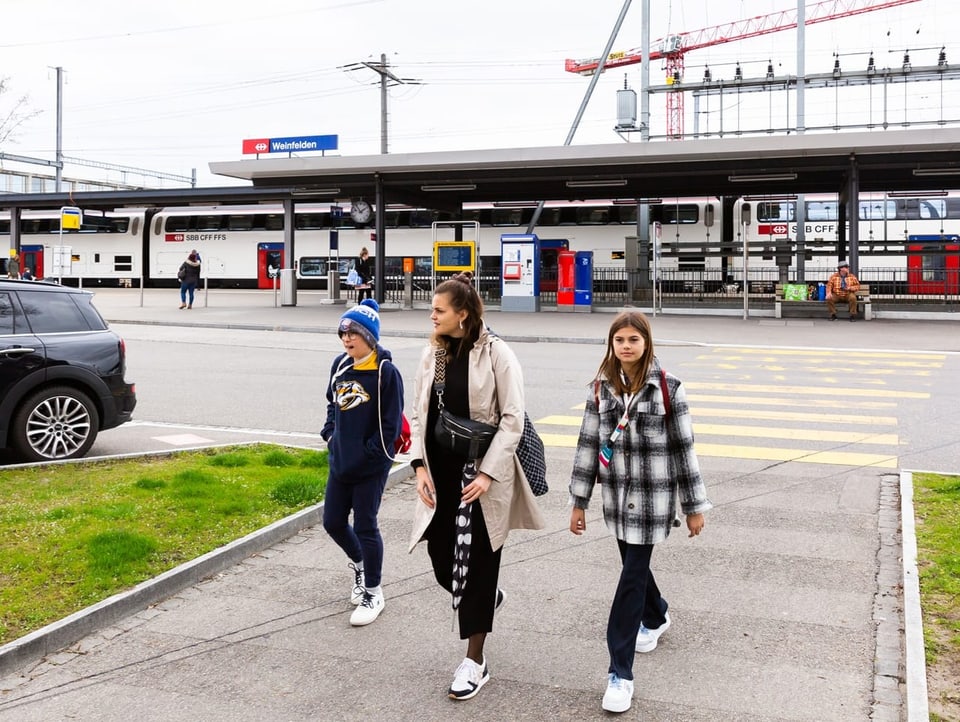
(672, 48)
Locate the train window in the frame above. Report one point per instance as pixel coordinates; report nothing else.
(136, 226)
(508, 217)
(422, 218)
(391, 219)
(5, 227)
(313, 266)
(31, 225)
(177, 224)
(209, 223)
(682, 213)
(822, 211)
(114, 225)
(239, 223)
(123, 264)
(877, 210)
(273, 222)
(930, 209)
(952, 207)
(549, 217)
(311, 221)
(473, 214)
(768, 212)
(627, 214)
(157, 226)
(593, 216)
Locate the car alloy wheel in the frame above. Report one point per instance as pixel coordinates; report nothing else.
(56, 423)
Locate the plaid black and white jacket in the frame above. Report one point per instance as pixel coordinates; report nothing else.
(653, 462)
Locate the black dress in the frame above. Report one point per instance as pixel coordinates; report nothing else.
(479, 598)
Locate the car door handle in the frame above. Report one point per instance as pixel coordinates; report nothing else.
(18, 351)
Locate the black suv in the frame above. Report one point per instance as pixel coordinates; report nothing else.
(61, 372)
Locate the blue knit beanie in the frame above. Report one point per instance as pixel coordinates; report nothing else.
(364, 318)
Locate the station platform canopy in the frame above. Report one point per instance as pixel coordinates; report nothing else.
(881, 160)
(875, 161)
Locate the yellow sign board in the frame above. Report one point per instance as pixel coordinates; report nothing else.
(70, 218)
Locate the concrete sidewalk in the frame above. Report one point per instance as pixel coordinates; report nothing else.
(786, 608)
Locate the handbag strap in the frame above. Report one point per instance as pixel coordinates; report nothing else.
(440, 374)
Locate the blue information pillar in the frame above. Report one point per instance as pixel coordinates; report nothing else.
(519, 272)
(583, 282)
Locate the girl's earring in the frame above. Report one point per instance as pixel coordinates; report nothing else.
(461, 324)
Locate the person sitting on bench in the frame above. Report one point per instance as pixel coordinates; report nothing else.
(842, 286)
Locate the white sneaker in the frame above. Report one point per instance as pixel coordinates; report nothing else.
(368, 610)
(356, 595)
(619, 694)
(468, 679)
(647, 638)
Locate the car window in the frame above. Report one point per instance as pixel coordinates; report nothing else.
(53, 312)
(6, 315)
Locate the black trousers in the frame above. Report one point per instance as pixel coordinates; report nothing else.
(480, 595)
(636, 600)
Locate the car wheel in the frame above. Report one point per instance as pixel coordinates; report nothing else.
(55, 423)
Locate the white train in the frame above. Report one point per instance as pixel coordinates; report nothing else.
(242, 246)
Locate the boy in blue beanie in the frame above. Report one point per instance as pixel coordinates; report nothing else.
(364, 417)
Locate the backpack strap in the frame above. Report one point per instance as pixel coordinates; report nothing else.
(666, 394)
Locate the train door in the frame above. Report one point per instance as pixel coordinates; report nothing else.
(31, 256)
(549, 248)
(269, 263)
(933, 264)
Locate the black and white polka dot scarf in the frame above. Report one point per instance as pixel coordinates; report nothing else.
(463, 537)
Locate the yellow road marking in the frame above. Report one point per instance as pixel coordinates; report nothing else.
(782, 401)
(845, 458)
(821, 353)
(820, 418)
(766, 432)
(805, 390)
(805, 456)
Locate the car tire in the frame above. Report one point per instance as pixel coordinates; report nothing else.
(55, 423)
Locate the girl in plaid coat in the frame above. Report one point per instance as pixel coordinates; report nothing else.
(636, 444)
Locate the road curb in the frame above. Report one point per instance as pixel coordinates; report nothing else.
(38, 644)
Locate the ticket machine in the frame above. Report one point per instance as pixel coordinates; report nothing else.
(519, 272)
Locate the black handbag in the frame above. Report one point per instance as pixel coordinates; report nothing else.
(465, 437)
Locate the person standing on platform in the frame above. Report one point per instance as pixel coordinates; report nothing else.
(189, 277)
(362, 266)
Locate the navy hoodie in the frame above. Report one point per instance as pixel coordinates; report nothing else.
(352, 430)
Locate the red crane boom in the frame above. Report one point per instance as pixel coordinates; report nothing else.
(673, 47)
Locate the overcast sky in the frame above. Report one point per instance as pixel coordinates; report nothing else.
(174, 85)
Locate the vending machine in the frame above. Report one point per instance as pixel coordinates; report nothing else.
(519, 272)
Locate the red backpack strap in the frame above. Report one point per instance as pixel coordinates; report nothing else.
(596, 393)
(663, 390)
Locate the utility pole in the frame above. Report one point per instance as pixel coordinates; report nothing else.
(387, 79)
(59, 159)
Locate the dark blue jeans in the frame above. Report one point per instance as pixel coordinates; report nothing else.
(637, 600)
(187, 288)
(362, 541)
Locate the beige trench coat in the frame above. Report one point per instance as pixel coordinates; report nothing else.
(509, 503)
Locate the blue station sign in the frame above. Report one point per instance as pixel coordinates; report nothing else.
(293, 144)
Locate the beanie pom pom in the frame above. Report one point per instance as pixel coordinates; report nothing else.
(371, 304)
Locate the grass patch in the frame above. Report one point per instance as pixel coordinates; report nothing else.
(72, 535)
(936, 499)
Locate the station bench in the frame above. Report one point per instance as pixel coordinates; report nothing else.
(864, 307)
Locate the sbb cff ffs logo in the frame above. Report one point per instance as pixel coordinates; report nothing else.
(174, 238)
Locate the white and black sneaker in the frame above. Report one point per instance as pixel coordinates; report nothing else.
(368, 610)
(356, 594)
(468, 679)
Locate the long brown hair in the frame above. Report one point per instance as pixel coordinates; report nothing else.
(463, 297)
(611, 367)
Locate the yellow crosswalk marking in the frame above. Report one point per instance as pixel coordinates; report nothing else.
(783, 401)
(845, 458)
(847, 353)
(766, 432)
(826, 359)
(763, 453)
(820, 418)
(805, 390)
